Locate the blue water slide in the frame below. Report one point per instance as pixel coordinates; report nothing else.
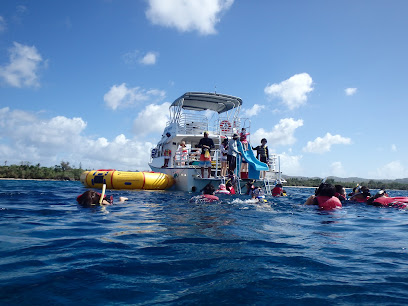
(254, 164)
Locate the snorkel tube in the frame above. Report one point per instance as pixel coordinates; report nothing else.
(102, 194)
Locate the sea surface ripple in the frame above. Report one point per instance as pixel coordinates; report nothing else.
(158, 248)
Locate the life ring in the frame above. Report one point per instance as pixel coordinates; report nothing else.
(225, 126)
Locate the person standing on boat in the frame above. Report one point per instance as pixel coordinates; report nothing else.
(232, 153)
(262, 154)
(224, 153)
(206, 144)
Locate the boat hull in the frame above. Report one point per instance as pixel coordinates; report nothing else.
(127, 180)
(188, 179)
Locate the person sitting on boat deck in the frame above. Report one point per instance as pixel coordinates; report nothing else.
(167, 153)
(232, 152)
(182, 153)
(224, 153)
(262, 153)
(277, 191)
(362, 195)
(91, 198)
(206, 144)
(324, 197)
(243, 138)
(341, 193)
(222, 189)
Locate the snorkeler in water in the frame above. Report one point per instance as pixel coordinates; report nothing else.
(91, 198)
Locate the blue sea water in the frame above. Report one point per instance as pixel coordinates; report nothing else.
(158, 248)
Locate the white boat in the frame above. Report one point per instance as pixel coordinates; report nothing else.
(190, 116)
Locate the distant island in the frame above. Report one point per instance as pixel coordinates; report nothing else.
(64, 171)
(351, 182)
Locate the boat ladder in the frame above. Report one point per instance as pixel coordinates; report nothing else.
(239, 185)
(268, 186)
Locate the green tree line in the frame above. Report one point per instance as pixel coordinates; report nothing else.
(25, 170)
(371, 184)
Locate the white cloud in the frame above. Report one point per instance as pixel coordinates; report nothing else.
(21, 9)
(350, 91)
(281, 135)
(3, 25)
(26, 137)
(22, 70)
(58, 133)
(393, 148)
(120, 96)
(152, 118)
(149, 59)
(322, 145)
(336, 169)
(254, 110)
(120, 153)
(136, 57)
(392, 170)
(291, 164)
(293, 91)
(187, 16)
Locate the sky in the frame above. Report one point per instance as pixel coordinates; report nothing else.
(90, 82)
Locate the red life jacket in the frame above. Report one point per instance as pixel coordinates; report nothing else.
(328, 203)
(277, 191)
(340, 196)
(359, 199)
(209, 197)
(399, 202)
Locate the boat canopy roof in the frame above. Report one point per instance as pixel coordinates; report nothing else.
(201, 101)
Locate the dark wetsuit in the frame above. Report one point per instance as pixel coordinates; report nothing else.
(207, 142)
(262, 153)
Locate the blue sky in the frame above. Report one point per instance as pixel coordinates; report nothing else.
(90, 82)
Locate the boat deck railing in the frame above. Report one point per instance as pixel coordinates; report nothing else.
(190, 158)
(192, 124)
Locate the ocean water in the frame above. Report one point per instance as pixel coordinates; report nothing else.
(158, 248)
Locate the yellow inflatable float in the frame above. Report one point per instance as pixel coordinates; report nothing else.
(126, 180)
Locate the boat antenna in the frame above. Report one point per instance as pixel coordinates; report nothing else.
(215, 89)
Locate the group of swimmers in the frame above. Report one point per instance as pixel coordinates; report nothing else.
(256, 193)
(328, 196)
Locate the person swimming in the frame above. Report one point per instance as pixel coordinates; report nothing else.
(258, 194)
(277, 191)
(381, 193)
(207, 195)
(362, 194)
(222, 189)
(324, 197)
(91, 198)
(340, 193)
